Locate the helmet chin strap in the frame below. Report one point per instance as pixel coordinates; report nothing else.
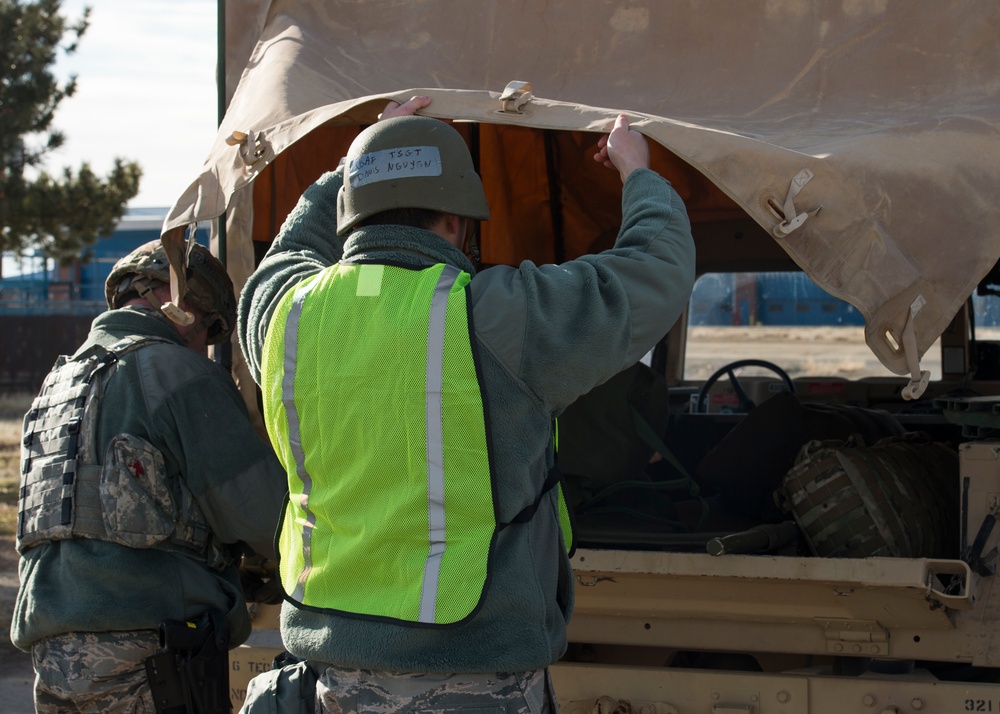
(473, 248)
(195, 331)
(146, 291)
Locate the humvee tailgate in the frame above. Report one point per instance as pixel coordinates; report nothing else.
(873, 607)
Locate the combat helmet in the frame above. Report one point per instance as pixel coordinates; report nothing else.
(209, 287)
(409, 162)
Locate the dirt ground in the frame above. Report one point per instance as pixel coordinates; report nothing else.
(800, 351)
(16, 675)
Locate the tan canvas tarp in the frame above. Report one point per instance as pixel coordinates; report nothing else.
(883, 116)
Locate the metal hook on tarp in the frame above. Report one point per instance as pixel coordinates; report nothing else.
(515, 95)
(253, 149)
(918, 378)
(793, 220)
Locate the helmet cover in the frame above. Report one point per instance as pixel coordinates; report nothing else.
(209, 287)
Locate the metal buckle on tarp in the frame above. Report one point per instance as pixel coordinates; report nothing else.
(918, 377)
(793, 221)
(515, 95)
(254, 151)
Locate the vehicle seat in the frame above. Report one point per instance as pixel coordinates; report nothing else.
(749, 463)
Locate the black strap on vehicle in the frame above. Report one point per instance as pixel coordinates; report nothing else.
(192, 676)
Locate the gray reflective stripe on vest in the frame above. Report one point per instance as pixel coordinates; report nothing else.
(435, 443)
(294, 433)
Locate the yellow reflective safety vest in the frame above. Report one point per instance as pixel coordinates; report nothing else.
(373, 401)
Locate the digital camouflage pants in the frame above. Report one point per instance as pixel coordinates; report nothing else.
(340, 691)
(287, 690)
(99, 672)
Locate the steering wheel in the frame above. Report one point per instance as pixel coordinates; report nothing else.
(746, 403)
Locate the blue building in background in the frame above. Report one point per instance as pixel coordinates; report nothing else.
(773, 298)
(767, 299)
(78, 288)
(46, 309)
(789, 299)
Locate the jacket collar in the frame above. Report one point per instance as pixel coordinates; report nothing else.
(403, 244)
(113, 325)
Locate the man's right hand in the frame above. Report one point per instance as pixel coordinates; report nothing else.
(623, 149)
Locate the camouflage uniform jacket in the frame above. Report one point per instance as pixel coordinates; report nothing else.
(546, 335)
(190, 410)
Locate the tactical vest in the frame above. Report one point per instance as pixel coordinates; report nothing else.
(68, 492)
(373, 400)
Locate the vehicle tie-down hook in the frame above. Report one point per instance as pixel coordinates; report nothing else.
(253, 150)
(793, 220)
(515, 95)
(918, 378)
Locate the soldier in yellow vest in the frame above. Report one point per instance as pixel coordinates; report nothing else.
(411, 401)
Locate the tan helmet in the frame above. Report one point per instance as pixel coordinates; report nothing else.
(409, 162)
(209, 287)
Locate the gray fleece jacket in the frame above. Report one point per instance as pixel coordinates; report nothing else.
(546, 335)
(187, 407)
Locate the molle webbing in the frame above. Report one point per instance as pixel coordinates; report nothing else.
(57, 444)
(63, 480)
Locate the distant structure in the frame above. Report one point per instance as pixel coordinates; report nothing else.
(792, 299)
(78, 288)
(767, 299)
(46, 310)
(746, 299)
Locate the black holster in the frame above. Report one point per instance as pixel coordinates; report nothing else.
(192, 676)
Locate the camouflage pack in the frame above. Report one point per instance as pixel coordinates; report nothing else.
(894, 498)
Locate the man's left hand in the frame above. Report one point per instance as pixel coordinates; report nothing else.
(406, 109)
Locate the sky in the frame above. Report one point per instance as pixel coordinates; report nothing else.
(146, 92)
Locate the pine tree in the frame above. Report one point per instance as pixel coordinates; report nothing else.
(64, 214)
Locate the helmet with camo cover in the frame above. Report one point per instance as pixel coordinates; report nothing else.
(409, 162)
(209, 287)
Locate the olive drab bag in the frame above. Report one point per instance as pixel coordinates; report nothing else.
(898, 497)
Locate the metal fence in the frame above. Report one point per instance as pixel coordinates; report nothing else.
(31, 344)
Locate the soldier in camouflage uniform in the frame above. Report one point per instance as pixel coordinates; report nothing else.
(142, 482)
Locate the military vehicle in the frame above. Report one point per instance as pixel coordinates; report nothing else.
(817, 538)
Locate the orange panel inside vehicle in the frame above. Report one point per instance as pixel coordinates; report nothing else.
(549, 200)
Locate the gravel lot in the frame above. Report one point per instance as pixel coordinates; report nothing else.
(16, 675)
